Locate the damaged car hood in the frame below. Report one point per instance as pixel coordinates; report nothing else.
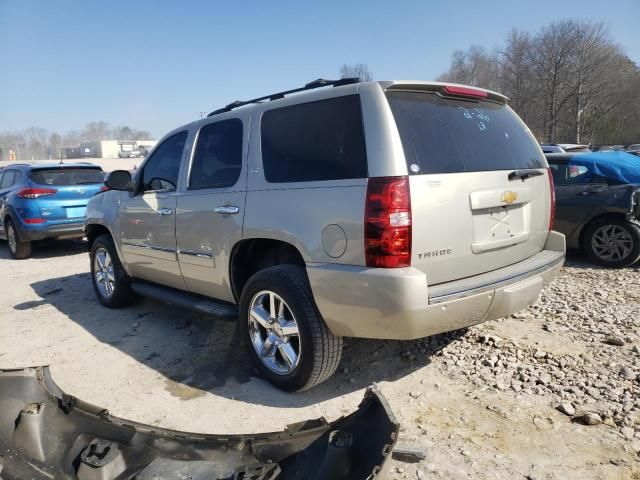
(47, 434)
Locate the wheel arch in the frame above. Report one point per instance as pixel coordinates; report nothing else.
(252, 255)
(93, 231)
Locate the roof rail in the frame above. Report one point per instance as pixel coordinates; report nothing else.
(275, 96)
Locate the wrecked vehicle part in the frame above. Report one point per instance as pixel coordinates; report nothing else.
(45, 434)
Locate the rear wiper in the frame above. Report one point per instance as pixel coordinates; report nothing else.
(524, 174)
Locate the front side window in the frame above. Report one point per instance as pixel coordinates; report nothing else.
(217, 159)
(162, 169)
(321, 140)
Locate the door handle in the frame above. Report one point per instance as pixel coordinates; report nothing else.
(164, 211)
(227, 210)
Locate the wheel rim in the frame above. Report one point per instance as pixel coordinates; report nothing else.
(612, 243)
(103, 273)
(11, 238)
(274, 332)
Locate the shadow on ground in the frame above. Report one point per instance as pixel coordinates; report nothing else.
(49, 248)
(578, 259)
(198, 353)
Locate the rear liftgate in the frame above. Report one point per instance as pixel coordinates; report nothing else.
(45, 434)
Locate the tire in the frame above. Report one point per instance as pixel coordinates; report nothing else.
(319, 350)
(103, 252)
(625, 249)
(19, 249)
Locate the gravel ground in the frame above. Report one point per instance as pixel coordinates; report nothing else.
(549, 393)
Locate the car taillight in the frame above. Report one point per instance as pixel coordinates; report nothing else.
(387, 222)
(35, 192)
(34, 220)
(104, 188)
(552, 188)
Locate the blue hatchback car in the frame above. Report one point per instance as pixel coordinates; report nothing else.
(45, 200)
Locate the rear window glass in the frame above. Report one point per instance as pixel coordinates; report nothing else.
(444, 135)
(66, 176)
(321, 140)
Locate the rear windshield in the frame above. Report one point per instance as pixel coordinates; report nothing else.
(444, 135)
(66, 176)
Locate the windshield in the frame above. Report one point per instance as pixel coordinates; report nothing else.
(444, 135)
(67, 176)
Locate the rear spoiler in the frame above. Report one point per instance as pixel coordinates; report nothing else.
(445, 89)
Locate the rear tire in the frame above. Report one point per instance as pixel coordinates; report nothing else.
(111, 283)
(612, 243)
(19, 249)
(319, 351)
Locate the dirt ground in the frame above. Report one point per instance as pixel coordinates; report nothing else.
(164, 366)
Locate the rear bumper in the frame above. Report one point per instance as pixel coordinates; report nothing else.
(398, 304)
(46, 230)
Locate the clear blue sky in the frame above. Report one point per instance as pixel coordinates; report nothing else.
(155, 64)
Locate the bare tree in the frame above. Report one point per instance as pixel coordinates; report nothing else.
(515, 71)
(569, 81)
(474, 67)
(359, 70)
(55, 143)
(96, 131)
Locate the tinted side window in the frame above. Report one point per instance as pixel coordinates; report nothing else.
(1, 180)
(567, 174)
(321, 140)
(8, 179)
(217, 160)
(161, 170)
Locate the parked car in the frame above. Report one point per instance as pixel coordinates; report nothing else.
(610, 148)
(634, 149)
(598, 205)
(44, 200)
(564, 147)
(392, 210)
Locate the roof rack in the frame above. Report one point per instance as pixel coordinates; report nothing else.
(321, 82)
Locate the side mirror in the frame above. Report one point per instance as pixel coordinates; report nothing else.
(120, 180)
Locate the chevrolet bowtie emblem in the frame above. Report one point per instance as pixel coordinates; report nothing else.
(509, 197)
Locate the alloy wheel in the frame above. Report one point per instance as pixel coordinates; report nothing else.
(612, 243)
(11, 238)
(103, 273)
(274, 332)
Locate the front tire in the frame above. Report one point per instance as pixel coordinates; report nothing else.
(111, 283)
(284, 333)
(19, 249)
(612, 243)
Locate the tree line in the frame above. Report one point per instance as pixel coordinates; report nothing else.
(569, 81)
(40, 143)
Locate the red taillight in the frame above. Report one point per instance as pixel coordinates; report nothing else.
(104, 188)
(34, 220)
(35, 192)
(464, 91)
(552, 188)
(387, 222)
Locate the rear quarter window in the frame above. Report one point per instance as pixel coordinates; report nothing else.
(313, 141)
(66, 176)
(448, 135)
